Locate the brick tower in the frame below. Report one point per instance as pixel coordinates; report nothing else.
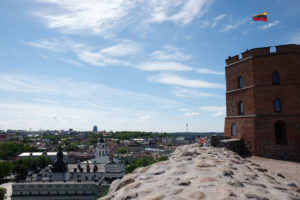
(263, 101)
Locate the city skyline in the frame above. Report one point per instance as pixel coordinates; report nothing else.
(128, 65)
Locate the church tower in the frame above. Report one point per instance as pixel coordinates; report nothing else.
(101, 149)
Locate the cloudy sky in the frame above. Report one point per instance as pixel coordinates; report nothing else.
(128, 64)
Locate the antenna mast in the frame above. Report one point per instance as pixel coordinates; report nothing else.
(187, 127)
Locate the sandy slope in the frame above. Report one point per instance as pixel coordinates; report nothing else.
(203, 173)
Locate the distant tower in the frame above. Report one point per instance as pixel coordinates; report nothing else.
(187, 127)
(95, 129)
(263, 101)
(101, 149)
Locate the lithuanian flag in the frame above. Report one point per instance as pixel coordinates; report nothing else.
(260, 17)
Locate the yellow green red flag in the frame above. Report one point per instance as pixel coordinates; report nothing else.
(260, 17)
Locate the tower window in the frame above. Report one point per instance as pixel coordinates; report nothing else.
(233, 129)
(241, 108)
(277, 105)
(280, 133)
(240, 82)
(275, 78)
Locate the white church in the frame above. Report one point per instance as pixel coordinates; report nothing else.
(84, 180)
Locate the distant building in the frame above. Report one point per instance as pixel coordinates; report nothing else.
(75, 157)
(183, 140)
(4, 137)
(51, 155)
(81, 181)
(95, 129)
(263, 101)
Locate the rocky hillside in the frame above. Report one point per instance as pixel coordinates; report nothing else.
(193, 172)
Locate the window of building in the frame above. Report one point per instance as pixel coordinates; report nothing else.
(277, 105)
(240, 82)
(233, 129)
(241, 108)
(280, 133)
(275, 78)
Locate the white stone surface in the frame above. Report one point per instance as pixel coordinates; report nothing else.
(193, 172)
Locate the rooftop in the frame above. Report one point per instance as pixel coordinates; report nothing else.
(263, 51)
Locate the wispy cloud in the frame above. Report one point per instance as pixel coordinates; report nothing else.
(179, 11)
(189, 93)
(204, 24)
(232, 26)
(171, 79)
(89, 17)
(217, 110)
(110, 55)
(191, 114)
(92, 94)
(144, 119)
(269, 25)
(217, 19)
(168, 59)
(163, 66)
(169, 52)
(208, 71)
(62, 45)
(106, 17)
(185, 110)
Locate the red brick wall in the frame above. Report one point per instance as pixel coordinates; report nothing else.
(286, 64)
(265, 143)
(257, 125)
(289, 96)
(244, 129)
(243, 69)
(232, 101)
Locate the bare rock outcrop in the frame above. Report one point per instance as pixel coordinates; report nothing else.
(194, 173)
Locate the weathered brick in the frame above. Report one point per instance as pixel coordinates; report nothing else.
(257, 125)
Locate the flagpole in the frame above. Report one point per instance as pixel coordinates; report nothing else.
(268, 31)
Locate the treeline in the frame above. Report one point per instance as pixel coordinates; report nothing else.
(11, 149)
(125, 135)
(143, 162)
(21, 167)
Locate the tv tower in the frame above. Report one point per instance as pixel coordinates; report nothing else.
(187, 127)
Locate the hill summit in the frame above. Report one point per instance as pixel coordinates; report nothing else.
(194, 172)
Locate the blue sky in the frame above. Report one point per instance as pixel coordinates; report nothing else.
(126, 64)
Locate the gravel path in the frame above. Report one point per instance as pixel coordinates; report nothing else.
(291, 170)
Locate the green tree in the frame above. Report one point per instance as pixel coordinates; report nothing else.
(2, 193)
(9, 149)
(71, 147)
(122, 150)
(21, 171)
(92, 140)
(42, 161)
(143, 162)
(6, 169)
(163, 158)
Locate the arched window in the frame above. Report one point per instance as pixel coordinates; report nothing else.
(280, 133)
(240, 82)
(233, 129)
(277, 105)
(275, 78)
(241, 108)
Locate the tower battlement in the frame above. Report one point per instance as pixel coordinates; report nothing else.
(263, 51)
